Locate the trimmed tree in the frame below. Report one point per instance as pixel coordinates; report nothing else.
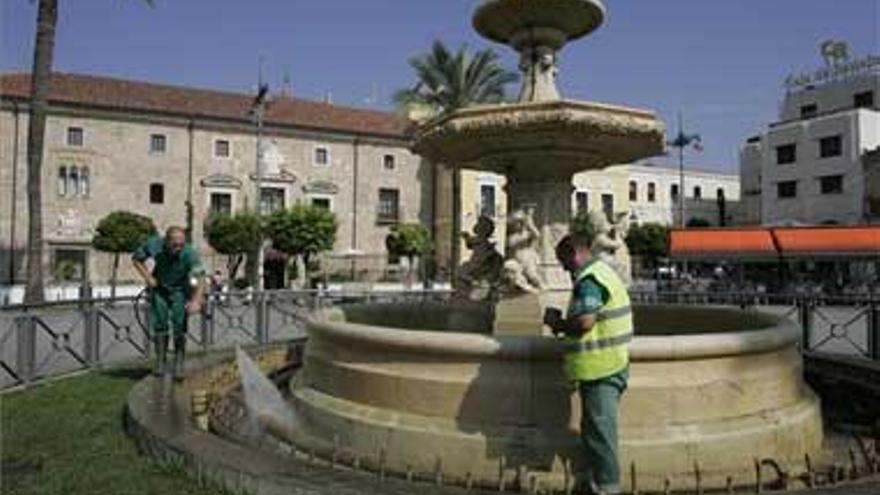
(649, 241)
(408, 240)
(304, 230)
(121, 232)
(234, 236)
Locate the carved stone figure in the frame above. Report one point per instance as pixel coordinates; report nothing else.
(485, 263)
(521, 268)
(610, 242)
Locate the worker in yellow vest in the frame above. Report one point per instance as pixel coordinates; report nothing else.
(597, 329)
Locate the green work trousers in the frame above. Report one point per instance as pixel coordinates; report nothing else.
(167, 307)
(599, 405)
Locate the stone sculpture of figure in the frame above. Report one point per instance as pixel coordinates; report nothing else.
(834, 52)
(539, 67)
(485, 262)
(610, 242)
(521, 268)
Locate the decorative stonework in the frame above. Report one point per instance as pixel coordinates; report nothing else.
(222, 181)
(320, 187)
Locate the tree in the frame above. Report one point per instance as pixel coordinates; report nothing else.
(698, 222)
(408, 240)
(304, 230)
(447, 81)
(234, 236)
(121, 232)
(41, 76)
(649, 241)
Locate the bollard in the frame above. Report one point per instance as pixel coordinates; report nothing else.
(501, 466)
(92, 336)
(633, 480)
(409, 473)
(758, 485)
(729, 485)
(698, 478)
(382, 465)
(468, 481)
(667, 486)
(438, 472)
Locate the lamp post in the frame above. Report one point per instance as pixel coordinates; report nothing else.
(258, 111)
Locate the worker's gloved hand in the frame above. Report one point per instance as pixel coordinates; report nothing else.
(553, 319)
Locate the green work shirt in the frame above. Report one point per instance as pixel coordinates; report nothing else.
(172, 271)
(587, 296)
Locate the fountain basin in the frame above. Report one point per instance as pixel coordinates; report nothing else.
(562, 137)
(482, 407)
(508, 21)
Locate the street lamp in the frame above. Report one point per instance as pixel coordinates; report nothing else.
(681, 142)
(258, 111)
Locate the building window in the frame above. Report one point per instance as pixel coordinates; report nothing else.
(633, 191)
(157, 143)
(221, 204)
(323, 203)
(809, 111)
(830, 146)
(608, 205)
(157, 194)
(271, 200)
(831, 184)
(581, 201)
(62, 181)
(74, 136)
(652, 192)
(487, 200)
(786, 189)
(388, 162)
(322, 156)
(221, 148)
(72, 182)
(68, 264)
(864, 99)
(84, 182)
(673, 193)
(698, 193)
(787, 153)
(389, 205)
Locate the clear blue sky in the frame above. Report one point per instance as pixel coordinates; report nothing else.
(720, 62)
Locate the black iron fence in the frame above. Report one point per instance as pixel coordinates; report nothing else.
(49, 339)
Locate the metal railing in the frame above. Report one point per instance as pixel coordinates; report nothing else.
(45, 340)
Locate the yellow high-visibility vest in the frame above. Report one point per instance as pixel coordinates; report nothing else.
(604, 350)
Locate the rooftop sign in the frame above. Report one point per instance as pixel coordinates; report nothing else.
(839, 67)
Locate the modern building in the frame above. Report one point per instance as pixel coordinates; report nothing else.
(809, 166)
(151, 149)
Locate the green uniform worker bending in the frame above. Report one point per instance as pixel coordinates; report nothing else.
(171, 294)
(597, 330)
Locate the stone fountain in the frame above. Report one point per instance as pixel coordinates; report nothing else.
(538, 143)
(472, 392)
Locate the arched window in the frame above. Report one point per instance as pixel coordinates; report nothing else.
(62, 181)
(73, 182)
(84, 182)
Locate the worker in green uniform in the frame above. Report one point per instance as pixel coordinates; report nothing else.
(597, 329)
(176, 289)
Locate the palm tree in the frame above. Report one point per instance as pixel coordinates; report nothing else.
(47, 18)
(448, 81)
(41, 74)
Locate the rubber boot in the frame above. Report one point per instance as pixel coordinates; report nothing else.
(160, 365)
(179, 357)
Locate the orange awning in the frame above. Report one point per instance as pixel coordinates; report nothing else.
(775, 242)
(722, 243)
(828, 241)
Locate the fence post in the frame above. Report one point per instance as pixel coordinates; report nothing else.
(805, 317)
(91, 338)
(260, 307)
(874, 332)
(207, 320)
(26, 347)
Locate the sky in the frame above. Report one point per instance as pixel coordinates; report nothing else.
(720, 64)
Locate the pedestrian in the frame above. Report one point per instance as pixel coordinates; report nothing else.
(597, 329)
(176, 289)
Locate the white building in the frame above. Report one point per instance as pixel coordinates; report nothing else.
(809, 166)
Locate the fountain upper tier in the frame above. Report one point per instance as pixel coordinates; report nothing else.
(517, 22)
(541, 139)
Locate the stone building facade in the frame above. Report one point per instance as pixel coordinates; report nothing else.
(125, 145)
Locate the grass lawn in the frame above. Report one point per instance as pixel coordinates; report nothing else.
(66, 437)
